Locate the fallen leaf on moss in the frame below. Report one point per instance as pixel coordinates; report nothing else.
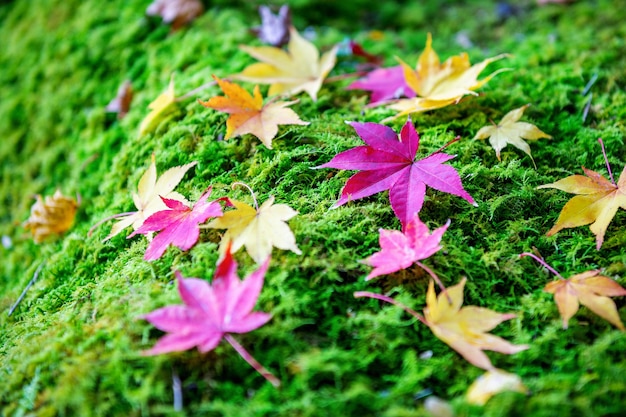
(300, 68)
(491, 383)
(385, 84)
(121, 102)
(249, 115)
(399, 250)
(211, 312)
(387, 163)
(177, 13)
(510, 130)
(53, 215)
(163, 105)
(438, 85)
(596, 202)
(274, 29)
(177, 226)
(148, 197)
(258, 229)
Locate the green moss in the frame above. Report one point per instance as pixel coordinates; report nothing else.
(73, 346)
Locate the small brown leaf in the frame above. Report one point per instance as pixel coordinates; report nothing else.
(176, 12)
(121, 102)
(52, 216)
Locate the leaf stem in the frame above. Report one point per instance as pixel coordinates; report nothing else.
(542, 262)
(608, 167)
(253, 362)
(360, 294)
(115, 216)
(458, 138)
(30, 284)
(344, 76)
(243, 184)
(196, 90)
(436, 278)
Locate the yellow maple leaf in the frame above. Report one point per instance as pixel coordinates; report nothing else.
(148, 197)
(491, 383)
(249, 115)
(465, 329)
(597, 202)
(591, 290)
(164, 104)
(257, 229)
(438, 85)
(510, 130)
(300, 68)
(53, 215)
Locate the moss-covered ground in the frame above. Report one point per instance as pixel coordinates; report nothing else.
(73, 346)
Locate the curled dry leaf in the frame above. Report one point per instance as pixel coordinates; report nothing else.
(177, 225)
(163, 105)
(300, 68)
(176, 12)
(148, 197)
(121, 102)
(211, 312)
(596, 202)
(274, 28)
(512, 131)
(399, 250)
(249, 115)
(491, 383)
(441, 84)
(257, 229)
(53, 215)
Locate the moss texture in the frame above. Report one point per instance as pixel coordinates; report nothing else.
(72, 347)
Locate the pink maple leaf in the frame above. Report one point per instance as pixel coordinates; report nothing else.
(178, 225)
(384, 84)
(387, 163)
(399, 250)
(211, 312)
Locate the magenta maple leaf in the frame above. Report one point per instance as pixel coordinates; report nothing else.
(211, 312)
(178, 226)
(387, 163)
(385, 84)
(399, 250)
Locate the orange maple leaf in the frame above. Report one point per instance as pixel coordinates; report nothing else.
(441, 84)
(596, 203)
(592, 291)
(52, 216)
(249, 115)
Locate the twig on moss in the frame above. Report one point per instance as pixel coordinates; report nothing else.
(178, 391)
(30, 284)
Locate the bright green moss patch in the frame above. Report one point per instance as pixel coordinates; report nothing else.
(73, 346)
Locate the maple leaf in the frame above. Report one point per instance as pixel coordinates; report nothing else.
(178, 226)
(463, 329)
(387, 163)
(441, 84)
(211, 312)
(589, 289)
(148, 197)
(300, 68)
(596, 202)
(274, 29)
(491, 383)
(53, 215)
(399, 250)
(163, 105)
(176, 12)
(385, 84)
(257, 228)
(121, 102)
(509, 130)
(249, 115)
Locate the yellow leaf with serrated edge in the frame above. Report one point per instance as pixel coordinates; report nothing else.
(290, 72)
(164, 104)
(257, 230)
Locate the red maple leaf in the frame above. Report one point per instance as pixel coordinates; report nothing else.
(178, 226)
(399, 250)
(387, 163)
(385, 84)
(211, 312)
